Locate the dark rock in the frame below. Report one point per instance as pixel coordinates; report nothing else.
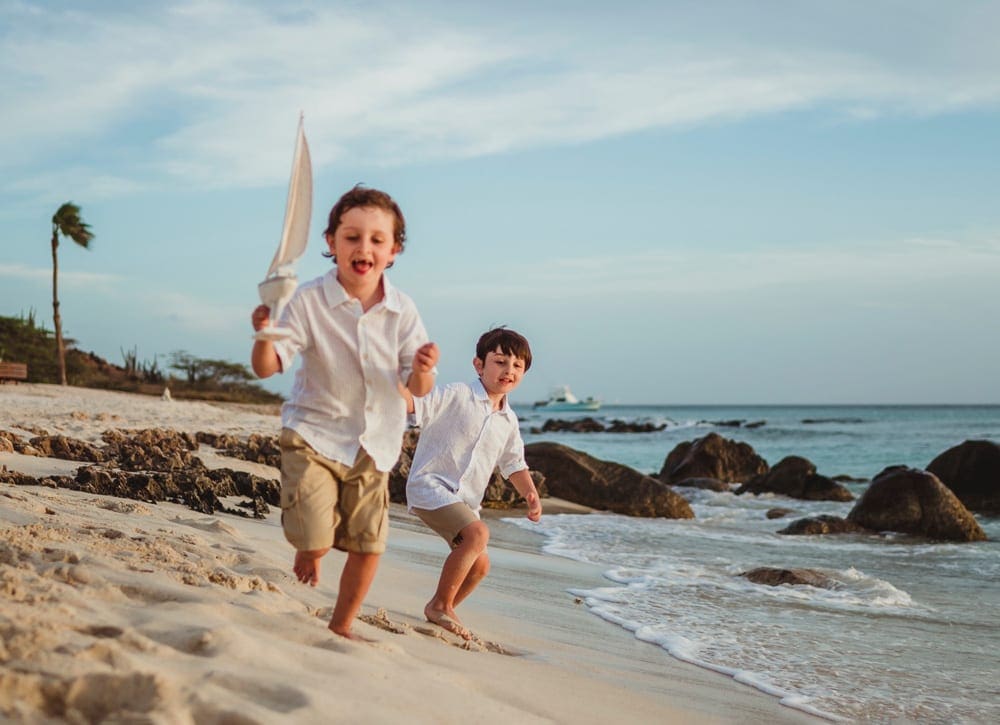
(912, 501)
(796, 477)
(712, 457)
(501, 494)
(592, 425)
(972, 471)
(824, 524)
(844, 478)
(795, 577)
(67, 449)
(711, 484)
(400, 472)
(778, 513)
(755, 424)
(152, 449)
(582, 479)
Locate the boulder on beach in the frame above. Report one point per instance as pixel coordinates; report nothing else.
(972, 471)
(773, 577)
(583, 479)
(823, 524)
(796, 477)
(712, 456)
(912, 501)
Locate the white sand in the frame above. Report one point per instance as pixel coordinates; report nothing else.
(117, 609)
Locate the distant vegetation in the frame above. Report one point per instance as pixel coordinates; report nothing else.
(23, 340)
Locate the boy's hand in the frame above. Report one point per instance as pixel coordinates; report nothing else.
(261, 317)
(534, 506)
(426, 358)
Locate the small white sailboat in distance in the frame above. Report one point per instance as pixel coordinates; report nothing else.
(562, 400)
(280, 282)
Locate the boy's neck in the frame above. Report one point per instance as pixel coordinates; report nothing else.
(368, 295)
(498, 399)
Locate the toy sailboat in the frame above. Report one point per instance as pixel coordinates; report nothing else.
(280, 282)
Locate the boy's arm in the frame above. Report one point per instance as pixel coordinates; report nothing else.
(408, 397)
(526, 487)
(421, 380)
(263, 358)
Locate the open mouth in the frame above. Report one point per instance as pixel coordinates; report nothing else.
(361, 266)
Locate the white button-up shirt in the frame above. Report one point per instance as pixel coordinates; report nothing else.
(345, 393)
(462, 440)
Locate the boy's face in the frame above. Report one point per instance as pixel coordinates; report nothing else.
(364, 245)
(500, 372)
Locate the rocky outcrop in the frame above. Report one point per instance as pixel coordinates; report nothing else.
(148, 465)
(972, 471)
(912, 501)
(823, 524)
(199, 490)
(256, 448)
(795, 577)
(778, 513)
(712, 457)
(582, 479)
(592, 425)
(796, 477)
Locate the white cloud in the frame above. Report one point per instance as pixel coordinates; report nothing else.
(66, 277)
(699, 273)
(208, 92)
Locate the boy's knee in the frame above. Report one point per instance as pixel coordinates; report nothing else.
(475, 535)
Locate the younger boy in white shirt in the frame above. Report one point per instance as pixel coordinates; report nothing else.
(466, 431)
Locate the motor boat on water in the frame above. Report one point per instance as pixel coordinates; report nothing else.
(562, 400)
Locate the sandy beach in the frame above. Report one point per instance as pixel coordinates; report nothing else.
(119, 609)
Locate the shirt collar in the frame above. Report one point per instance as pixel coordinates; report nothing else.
(336, 294)
(479, 391)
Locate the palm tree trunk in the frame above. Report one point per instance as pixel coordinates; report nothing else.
(55, 308)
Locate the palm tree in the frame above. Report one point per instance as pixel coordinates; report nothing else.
(66, 222)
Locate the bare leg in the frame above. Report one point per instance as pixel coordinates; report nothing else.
(441, 609)
(306, 566)
(355, 580)
(480, 568)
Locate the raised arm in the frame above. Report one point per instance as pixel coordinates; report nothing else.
(421, 380)
(526, 487)
(263, 358)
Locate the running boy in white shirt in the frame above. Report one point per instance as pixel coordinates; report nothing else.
(466, 431)
(342, 426)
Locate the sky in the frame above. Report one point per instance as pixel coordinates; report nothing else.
(676, 202)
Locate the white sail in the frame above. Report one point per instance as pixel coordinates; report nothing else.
(298, 209)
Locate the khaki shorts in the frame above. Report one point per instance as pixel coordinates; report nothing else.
(325, 503)
(448, 521)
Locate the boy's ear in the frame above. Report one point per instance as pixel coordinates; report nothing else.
(478, 365)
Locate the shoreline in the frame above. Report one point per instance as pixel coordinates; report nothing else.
(240, 613)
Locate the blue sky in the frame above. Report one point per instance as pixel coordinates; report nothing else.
(677, 202)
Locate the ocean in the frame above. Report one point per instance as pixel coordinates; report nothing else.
(910, 633)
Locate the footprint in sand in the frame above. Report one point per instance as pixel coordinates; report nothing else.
(475, 644)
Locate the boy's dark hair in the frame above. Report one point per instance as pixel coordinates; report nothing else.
(362, 196)
(509, 342)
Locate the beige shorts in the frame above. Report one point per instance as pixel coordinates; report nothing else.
(325, 503)
(448, 521)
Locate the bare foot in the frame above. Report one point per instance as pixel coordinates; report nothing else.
(306, 567)
(446, 621)
(353, 636)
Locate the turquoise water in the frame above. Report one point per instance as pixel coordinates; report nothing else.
(912, 630)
